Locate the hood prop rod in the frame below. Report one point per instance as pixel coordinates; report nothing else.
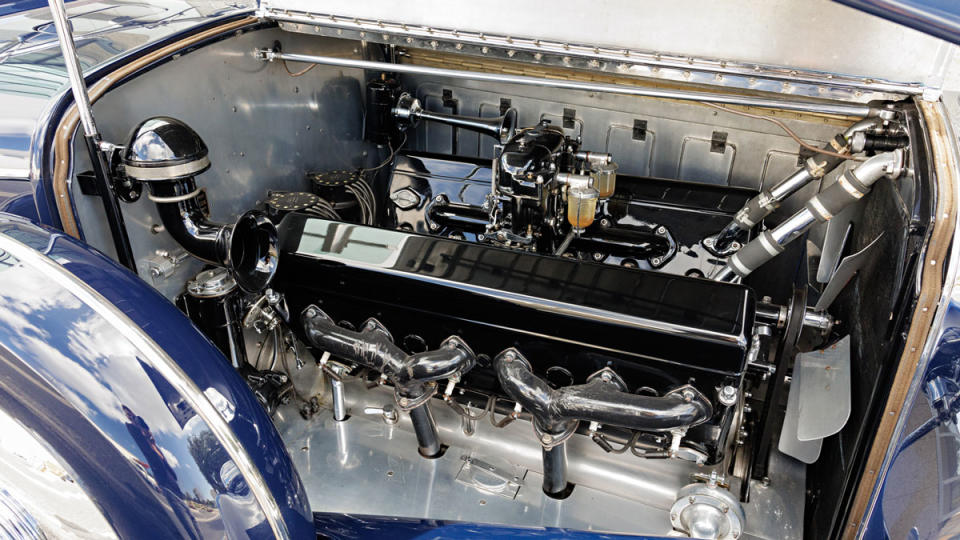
(94, 142)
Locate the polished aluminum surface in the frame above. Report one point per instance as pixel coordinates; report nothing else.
(764, 154)
(736, 44)
(371, 465)
(264, 129)
(704, 510)
(824, 390)
(688, 95)
(164, 365)
(789, 443)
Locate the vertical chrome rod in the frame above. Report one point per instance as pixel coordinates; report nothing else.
(101, 169)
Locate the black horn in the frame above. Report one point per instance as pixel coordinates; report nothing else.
(409, 111)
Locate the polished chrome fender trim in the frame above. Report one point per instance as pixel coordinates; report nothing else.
(159, 360)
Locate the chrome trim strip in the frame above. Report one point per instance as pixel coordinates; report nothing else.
(147, 174)
(158, 359)
(845, 109)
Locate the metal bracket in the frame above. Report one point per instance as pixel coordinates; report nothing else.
(639, 130)
(569, 118)
(126, 189)
(718, 142)
(448, 100)
(486, 477)
(505, 105)
(803, 154)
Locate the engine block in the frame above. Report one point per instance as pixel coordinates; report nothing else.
(568, 318)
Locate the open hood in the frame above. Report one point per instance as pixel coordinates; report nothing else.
(816, 48)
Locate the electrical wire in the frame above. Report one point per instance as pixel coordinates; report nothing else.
(627, 446)
(365, 213)
(465, 411)
(785, 128)
(286, 367)
(393, 152)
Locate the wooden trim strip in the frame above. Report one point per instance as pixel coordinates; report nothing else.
(68, 123)
(931, 288)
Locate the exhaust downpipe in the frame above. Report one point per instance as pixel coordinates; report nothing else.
(166, 154)
(603, 399)
(413, 376)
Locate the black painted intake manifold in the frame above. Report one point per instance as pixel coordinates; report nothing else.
(413, 375)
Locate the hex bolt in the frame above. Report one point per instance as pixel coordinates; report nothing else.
(728, 395)
(661, 230)
(311, 312)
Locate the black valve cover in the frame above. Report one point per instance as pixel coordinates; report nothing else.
(656, 330)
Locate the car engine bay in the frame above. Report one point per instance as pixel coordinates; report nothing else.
(486, 301)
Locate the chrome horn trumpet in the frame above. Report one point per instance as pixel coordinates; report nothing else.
(409, 112)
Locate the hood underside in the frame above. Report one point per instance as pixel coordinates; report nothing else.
(814, 49)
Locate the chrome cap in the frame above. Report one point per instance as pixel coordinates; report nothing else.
(164, 148)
